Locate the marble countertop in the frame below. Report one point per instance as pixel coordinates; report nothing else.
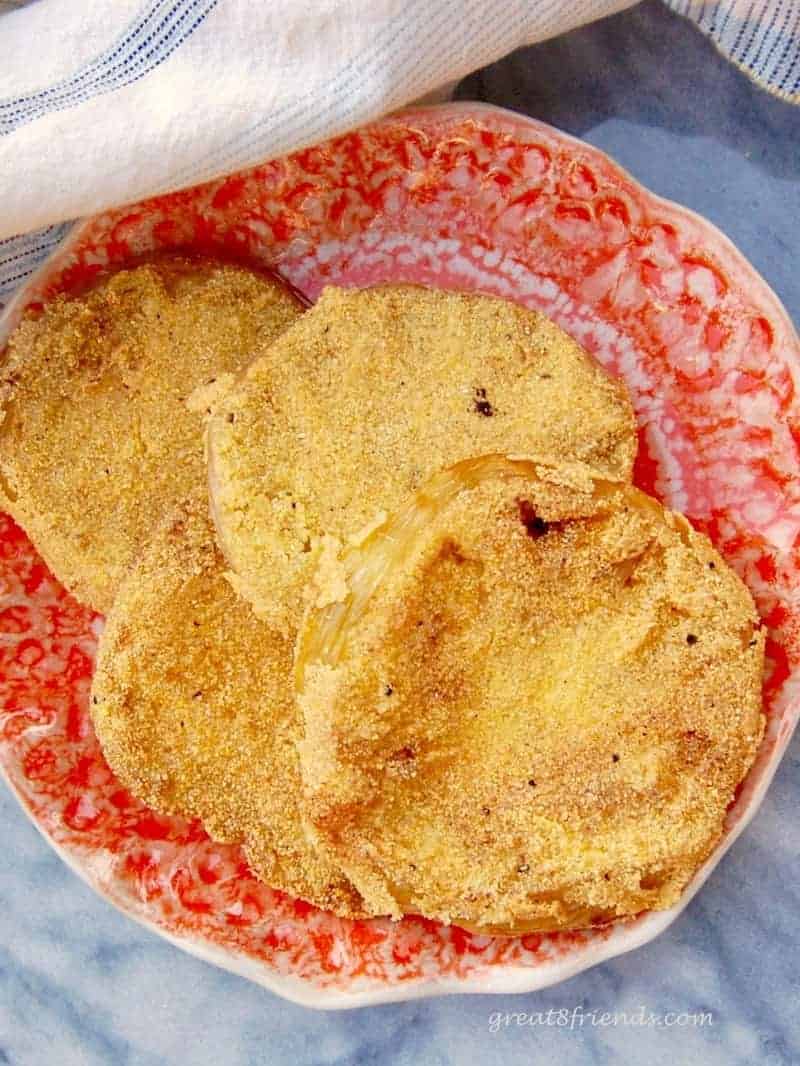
(82, 986)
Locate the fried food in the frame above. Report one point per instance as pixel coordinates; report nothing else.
(533, 706)
(101, 405)
(363, 399)
(192, 702)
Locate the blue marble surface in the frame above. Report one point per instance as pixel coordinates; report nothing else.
(82, 986)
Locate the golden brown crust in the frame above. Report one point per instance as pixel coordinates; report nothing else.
(98, 432)
(367, 395)
(535, 704)
(192, 702)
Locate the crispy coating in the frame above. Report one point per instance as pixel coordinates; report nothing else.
(193, 704)
(364, 398)
(100, 433)
(533, 707)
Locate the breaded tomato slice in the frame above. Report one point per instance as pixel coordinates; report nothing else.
(192, 701)
(101, 405)
(364, 398)
(532, 706)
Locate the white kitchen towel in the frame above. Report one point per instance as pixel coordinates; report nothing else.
(107, 103)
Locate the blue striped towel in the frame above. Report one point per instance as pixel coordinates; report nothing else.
(146, 96)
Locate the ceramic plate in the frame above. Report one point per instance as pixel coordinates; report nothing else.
(466, 197)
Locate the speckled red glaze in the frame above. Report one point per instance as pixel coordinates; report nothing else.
(466, 197)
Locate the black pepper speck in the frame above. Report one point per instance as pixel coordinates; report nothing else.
(481, 404)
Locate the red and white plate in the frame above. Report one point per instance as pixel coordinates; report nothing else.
(470, 197)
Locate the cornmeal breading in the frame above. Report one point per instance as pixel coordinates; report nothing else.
(99, 429)
(485, 679)
(192, 702)
(364, 398)
(534, 705)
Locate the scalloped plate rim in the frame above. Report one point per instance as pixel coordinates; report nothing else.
(508, 979)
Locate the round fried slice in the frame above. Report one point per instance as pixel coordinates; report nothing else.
(193, 704)
(364, 398)
(533, 707)
(101, 404)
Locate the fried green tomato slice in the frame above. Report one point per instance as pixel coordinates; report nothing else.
(533, 706)
(192, 701)
(364, 398)
(102, 400)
